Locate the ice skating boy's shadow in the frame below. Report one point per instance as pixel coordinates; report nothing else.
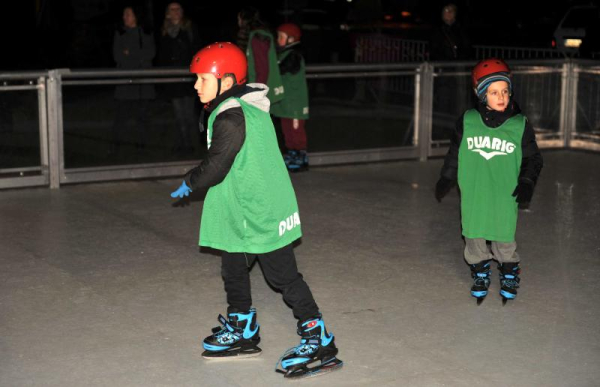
(251, 262)
(195, 196)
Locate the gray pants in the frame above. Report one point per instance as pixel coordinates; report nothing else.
(476, 250)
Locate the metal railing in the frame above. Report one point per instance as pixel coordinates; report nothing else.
(378, 48)
(27, 173)
(510, 53)
(356, 116)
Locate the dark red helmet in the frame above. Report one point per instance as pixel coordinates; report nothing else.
(488, 67)
(290, 29)
(221, 58)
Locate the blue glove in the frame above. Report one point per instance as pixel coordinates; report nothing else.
(182, 191)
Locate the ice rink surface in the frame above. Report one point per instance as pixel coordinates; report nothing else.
(104, 285)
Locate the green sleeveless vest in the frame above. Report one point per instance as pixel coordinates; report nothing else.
(489, 163)
(254, 209)
(274, 83)
(295, 101)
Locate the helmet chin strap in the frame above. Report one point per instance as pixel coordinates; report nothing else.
(218, 86)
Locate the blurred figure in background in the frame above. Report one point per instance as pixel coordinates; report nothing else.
(178, 42)
(133, 48)
(450, 42)
(255, 39)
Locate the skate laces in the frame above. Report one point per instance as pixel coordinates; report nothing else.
(510, 281)
(481, 278)
(306, 347)
(228, 334)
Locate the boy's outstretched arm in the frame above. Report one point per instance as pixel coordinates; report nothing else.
(229, 133)
(449, 171)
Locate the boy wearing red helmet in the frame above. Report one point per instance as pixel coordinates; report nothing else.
(250, 212)
(293, 109)
(495, 159)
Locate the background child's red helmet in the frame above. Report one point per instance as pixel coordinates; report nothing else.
(488, 67)
(221, 58)
(290, 29)
(487, 72)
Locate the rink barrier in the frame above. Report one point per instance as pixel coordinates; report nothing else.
(49, 86)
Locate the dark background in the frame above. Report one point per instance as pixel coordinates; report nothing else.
(43, 34)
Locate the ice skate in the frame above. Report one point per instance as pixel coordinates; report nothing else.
(238, 337)
(480, 273)
(315, 355)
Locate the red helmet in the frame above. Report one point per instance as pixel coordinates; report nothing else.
(290, 29)
(487, 67)
(221, 58)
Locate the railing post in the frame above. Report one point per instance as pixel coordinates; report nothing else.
(566, 103)
(423, 110)
(43, 125)
(55, 129)
(573, 90)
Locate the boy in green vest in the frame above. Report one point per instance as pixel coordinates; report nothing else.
(496, 160)
(293, 109)
(250, 213)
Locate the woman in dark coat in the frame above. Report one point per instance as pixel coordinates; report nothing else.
(178, 44)
(133, 48)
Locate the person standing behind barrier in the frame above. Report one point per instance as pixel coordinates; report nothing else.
(133, 48)
(450, 42)
(258, 43)
(495, 159)
(293, 108)
(178, 43)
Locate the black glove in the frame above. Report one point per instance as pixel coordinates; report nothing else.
(524, 191)
(442, 187)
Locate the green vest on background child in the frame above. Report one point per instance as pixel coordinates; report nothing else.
(276, 88)
(295, 102)
(495, 158)
(489, 162)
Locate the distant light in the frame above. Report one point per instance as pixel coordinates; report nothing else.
(388, 17)
(573, 43)
(406, 14)
(349, 1)
(553, 43)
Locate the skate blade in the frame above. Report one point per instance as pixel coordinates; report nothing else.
(333, 364)
(231, 355)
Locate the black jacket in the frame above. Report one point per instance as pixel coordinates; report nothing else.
(177, 52)
(229, 133)
(532, 162)
(449, 43)
(293, 61)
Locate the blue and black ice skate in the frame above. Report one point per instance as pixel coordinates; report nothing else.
(480, 272)
(237, 337)
(315, 355)
(509, 280)
(296, 160)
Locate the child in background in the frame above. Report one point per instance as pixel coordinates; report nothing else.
(293, 109)
(257, 41)
(496, 161)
